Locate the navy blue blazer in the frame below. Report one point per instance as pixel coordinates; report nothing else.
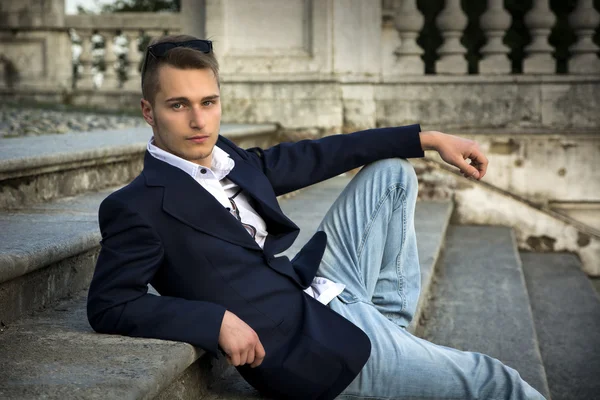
(165, 229)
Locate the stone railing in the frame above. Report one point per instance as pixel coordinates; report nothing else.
(108, 48)
(495, 22)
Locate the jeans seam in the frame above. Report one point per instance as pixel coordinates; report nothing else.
(374, 216)
(399, 265)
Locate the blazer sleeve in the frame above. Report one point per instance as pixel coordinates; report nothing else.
(118, 299)
(292, 166)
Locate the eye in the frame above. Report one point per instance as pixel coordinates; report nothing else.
(176, 106)
(207, 103)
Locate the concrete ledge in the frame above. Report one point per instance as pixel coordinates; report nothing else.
(43, 287)
(56, 355)
(48, 233)
(47, 252)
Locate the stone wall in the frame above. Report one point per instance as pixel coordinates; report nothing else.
(34, 47)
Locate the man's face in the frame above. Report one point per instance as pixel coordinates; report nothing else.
(186, 115)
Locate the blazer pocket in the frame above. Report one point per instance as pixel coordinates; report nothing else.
(313, 363)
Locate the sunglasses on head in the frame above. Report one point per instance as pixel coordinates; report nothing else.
(160, 49)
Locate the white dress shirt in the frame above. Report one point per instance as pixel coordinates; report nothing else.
(215, 181)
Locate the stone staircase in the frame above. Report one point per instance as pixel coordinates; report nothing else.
(536, 312)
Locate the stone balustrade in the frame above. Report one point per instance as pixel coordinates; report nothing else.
(111, 47)
(495, 23)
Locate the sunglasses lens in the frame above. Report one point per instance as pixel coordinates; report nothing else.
(161, 49)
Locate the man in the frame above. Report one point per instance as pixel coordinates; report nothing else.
(202, 225)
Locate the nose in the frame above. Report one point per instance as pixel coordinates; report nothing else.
(197, 120)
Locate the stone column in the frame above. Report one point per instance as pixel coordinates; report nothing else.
(584, 21)
(540, 21)
(451, 22)
(86, 77)
(110, 81)
(409, 23)
(495, 22)
(134, 57)
(193, 18)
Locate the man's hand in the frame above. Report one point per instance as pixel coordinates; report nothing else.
(240, 342)
(455, 151)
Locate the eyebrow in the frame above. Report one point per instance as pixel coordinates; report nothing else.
(185, 99)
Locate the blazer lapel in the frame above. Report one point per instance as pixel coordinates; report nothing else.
(259, 188)
(190, 203)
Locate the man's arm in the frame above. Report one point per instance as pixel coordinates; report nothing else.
(291, 166)
(118, 299)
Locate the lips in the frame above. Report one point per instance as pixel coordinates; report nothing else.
(199, 139)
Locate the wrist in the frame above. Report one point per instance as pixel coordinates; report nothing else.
(429, 139)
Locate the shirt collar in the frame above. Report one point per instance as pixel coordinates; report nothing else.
(221, 164)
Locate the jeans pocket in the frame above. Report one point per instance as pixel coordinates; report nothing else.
(347, 297)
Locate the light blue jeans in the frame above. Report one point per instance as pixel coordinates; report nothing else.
(372, 249)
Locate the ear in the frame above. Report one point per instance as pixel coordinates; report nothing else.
(147, 112)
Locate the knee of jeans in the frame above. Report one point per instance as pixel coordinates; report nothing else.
(402, 170)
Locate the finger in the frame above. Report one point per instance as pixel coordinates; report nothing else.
(235, 359)
(259, 354)
(243, 357)
(466, 169)
(251, 357)
(479, 161)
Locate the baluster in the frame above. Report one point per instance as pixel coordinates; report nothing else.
(85, 80)
(584, 21)
(452, 21)
(110, 59)
(540, 21)
(495, 22)
(134, 57)
(409, 22)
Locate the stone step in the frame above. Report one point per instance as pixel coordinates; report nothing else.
(41, 168)
(55, 355)
(566, 311)
(481, 302)
(47, 252)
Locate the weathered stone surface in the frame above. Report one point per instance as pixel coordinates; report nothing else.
(293, 105)
(545, 167)
(68, 179)
(56, 355)
(481, 302)
(445, 104)
(483, 204)
(571, 105)
(566, 311)
(44, 287)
